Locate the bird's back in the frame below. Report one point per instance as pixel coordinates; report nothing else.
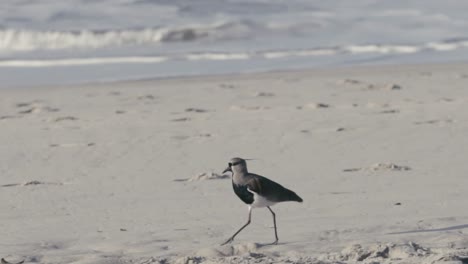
(246, 184)
(273, 191)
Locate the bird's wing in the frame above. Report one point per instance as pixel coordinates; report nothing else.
(255, 185)
(268, 188)
(262, 185)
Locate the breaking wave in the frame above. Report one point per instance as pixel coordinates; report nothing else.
(15, 40)
(448, 45)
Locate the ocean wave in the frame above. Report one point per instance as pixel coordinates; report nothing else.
(383, 49)
(17, 40)
(217, 56)
(80, 61)
(442, 46)
(12, 40)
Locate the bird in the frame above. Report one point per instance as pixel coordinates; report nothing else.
(257, 191)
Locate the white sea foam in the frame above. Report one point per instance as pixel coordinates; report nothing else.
(384, 49)
(14, 40)
(27, 40)
(230, 56)
(218, 56)
(79, 61)
(442, 46)
(300, 53)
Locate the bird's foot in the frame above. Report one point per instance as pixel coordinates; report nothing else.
(274, 243)
(228, 241)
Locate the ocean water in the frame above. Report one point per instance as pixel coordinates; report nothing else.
(55, 42)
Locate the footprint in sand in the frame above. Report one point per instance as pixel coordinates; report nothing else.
(20, 105)
(264, 94)
(182, 119)
(434, 121)
(38, 109)
(307, 131)
(34, 107)
(30, 110)
(448, 100)
(391, 86)
(146, 97)
(180, 137)
(370, 86)
(31, 183)
(313, 106)
(377, 105)
(196, 110)
(249, 108)
(115, 93)
(227, 86)
(65, 118)
(8, 117)
(349, 81)
(390, 111)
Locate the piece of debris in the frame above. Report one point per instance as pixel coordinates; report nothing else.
(205, 176)
(380, 167)
(65, 118)
(317, 105)
(7, 262)
(393, 86)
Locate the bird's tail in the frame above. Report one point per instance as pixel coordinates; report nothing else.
(292, 196)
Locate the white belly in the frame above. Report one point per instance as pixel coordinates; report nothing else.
(260, 201)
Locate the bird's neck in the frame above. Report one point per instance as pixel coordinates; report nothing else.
(240, 176)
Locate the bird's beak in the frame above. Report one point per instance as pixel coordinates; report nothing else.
(227, 169)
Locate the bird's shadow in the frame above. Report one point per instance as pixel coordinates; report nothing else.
(260, 245)
(430, 230)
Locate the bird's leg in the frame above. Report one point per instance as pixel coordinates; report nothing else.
(238, 231)
(274, 223)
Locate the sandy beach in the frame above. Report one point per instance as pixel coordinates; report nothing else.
(130, 172)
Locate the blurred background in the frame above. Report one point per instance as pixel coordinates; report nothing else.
(57, 42)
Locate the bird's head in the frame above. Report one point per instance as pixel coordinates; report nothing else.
(236, 165)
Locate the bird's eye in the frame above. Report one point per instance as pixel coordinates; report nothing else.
(230, 164)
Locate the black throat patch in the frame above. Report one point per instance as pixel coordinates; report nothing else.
(242, 192)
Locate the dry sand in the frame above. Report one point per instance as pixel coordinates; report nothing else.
(130, 172)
